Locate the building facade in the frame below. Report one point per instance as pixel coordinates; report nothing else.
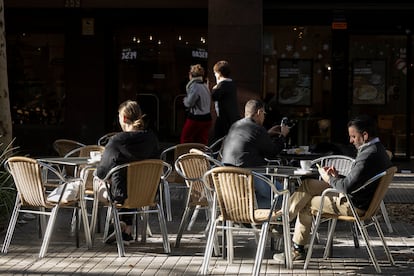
(72, 62)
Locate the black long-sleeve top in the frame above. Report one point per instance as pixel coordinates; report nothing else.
(122, 148)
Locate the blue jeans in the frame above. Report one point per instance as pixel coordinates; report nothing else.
(263, 193)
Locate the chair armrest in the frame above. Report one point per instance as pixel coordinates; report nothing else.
(86, 171)
(167, 171)
(325, 193)
(163, 155)
(207, 156)
(369, 181)
(329, 190)
(52, 169)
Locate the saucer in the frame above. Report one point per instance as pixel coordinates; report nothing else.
(302, 171)
(95, 160)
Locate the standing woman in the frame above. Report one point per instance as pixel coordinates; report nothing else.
(198, 102)
(224, 95)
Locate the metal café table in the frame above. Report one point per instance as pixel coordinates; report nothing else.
(287, 157)
(288, 173)
(70, 161)
(76, 162)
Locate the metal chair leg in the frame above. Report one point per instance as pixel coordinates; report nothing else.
(386, 217)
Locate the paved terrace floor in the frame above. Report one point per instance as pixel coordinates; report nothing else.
(63, 258)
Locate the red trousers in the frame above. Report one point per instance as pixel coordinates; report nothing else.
(195, 131)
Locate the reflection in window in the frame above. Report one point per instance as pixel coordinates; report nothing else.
(36, 78)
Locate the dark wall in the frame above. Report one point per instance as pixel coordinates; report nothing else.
(85, 112)
(235, 34)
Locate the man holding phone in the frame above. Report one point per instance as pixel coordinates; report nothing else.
(371, 159)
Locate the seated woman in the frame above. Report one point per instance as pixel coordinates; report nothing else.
(134, 143)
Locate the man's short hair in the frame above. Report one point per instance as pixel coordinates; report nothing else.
(252, 106)
(223, 68)
(364, 123)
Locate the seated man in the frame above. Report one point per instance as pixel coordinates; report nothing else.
(371, 159)
(248, 143)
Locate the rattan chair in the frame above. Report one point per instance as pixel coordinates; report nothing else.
(84, 151)
(104, 139)
(143, 181)
(31, 198)
(234, 193)
(343, 164)
(363, 222)
(192, 167)
(169, 155)
(86, 173)
(216, 148)
(63, 146)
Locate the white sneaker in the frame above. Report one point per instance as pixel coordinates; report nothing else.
(296, 256)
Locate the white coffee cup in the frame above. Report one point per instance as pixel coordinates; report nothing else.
(305, 149)
(305, 164)
(95, 155)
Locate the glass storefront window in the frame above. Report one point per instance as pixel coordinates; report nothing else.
(36, 78)
(153, 66)
(286, 49)
(378, 85)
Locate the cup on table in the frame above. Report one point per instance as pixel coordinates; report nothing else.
(305, 164)
(95, 155)
(269, 170)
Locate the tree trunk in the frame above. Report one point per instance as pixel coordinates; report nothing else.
(5, 115)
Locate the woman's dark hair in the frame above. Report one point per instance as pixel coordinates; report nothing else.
(364, 123)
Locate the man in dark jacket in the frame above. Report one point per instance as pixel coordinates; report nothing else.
(248, 143)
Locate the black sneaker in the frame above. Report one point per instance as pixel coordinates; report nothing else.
(111, 238)
(247, 225)
(127, 238)
(276, 229)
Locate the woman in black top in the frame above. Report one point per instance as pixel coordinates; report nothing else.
(224, 95)
(134, 143)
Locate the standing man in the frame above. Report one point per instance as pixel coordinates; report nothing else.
(224, 95)
(248, 143)
(371, 159)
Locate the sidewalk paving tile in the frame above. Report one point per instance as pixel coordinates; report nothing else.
(63, 258)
